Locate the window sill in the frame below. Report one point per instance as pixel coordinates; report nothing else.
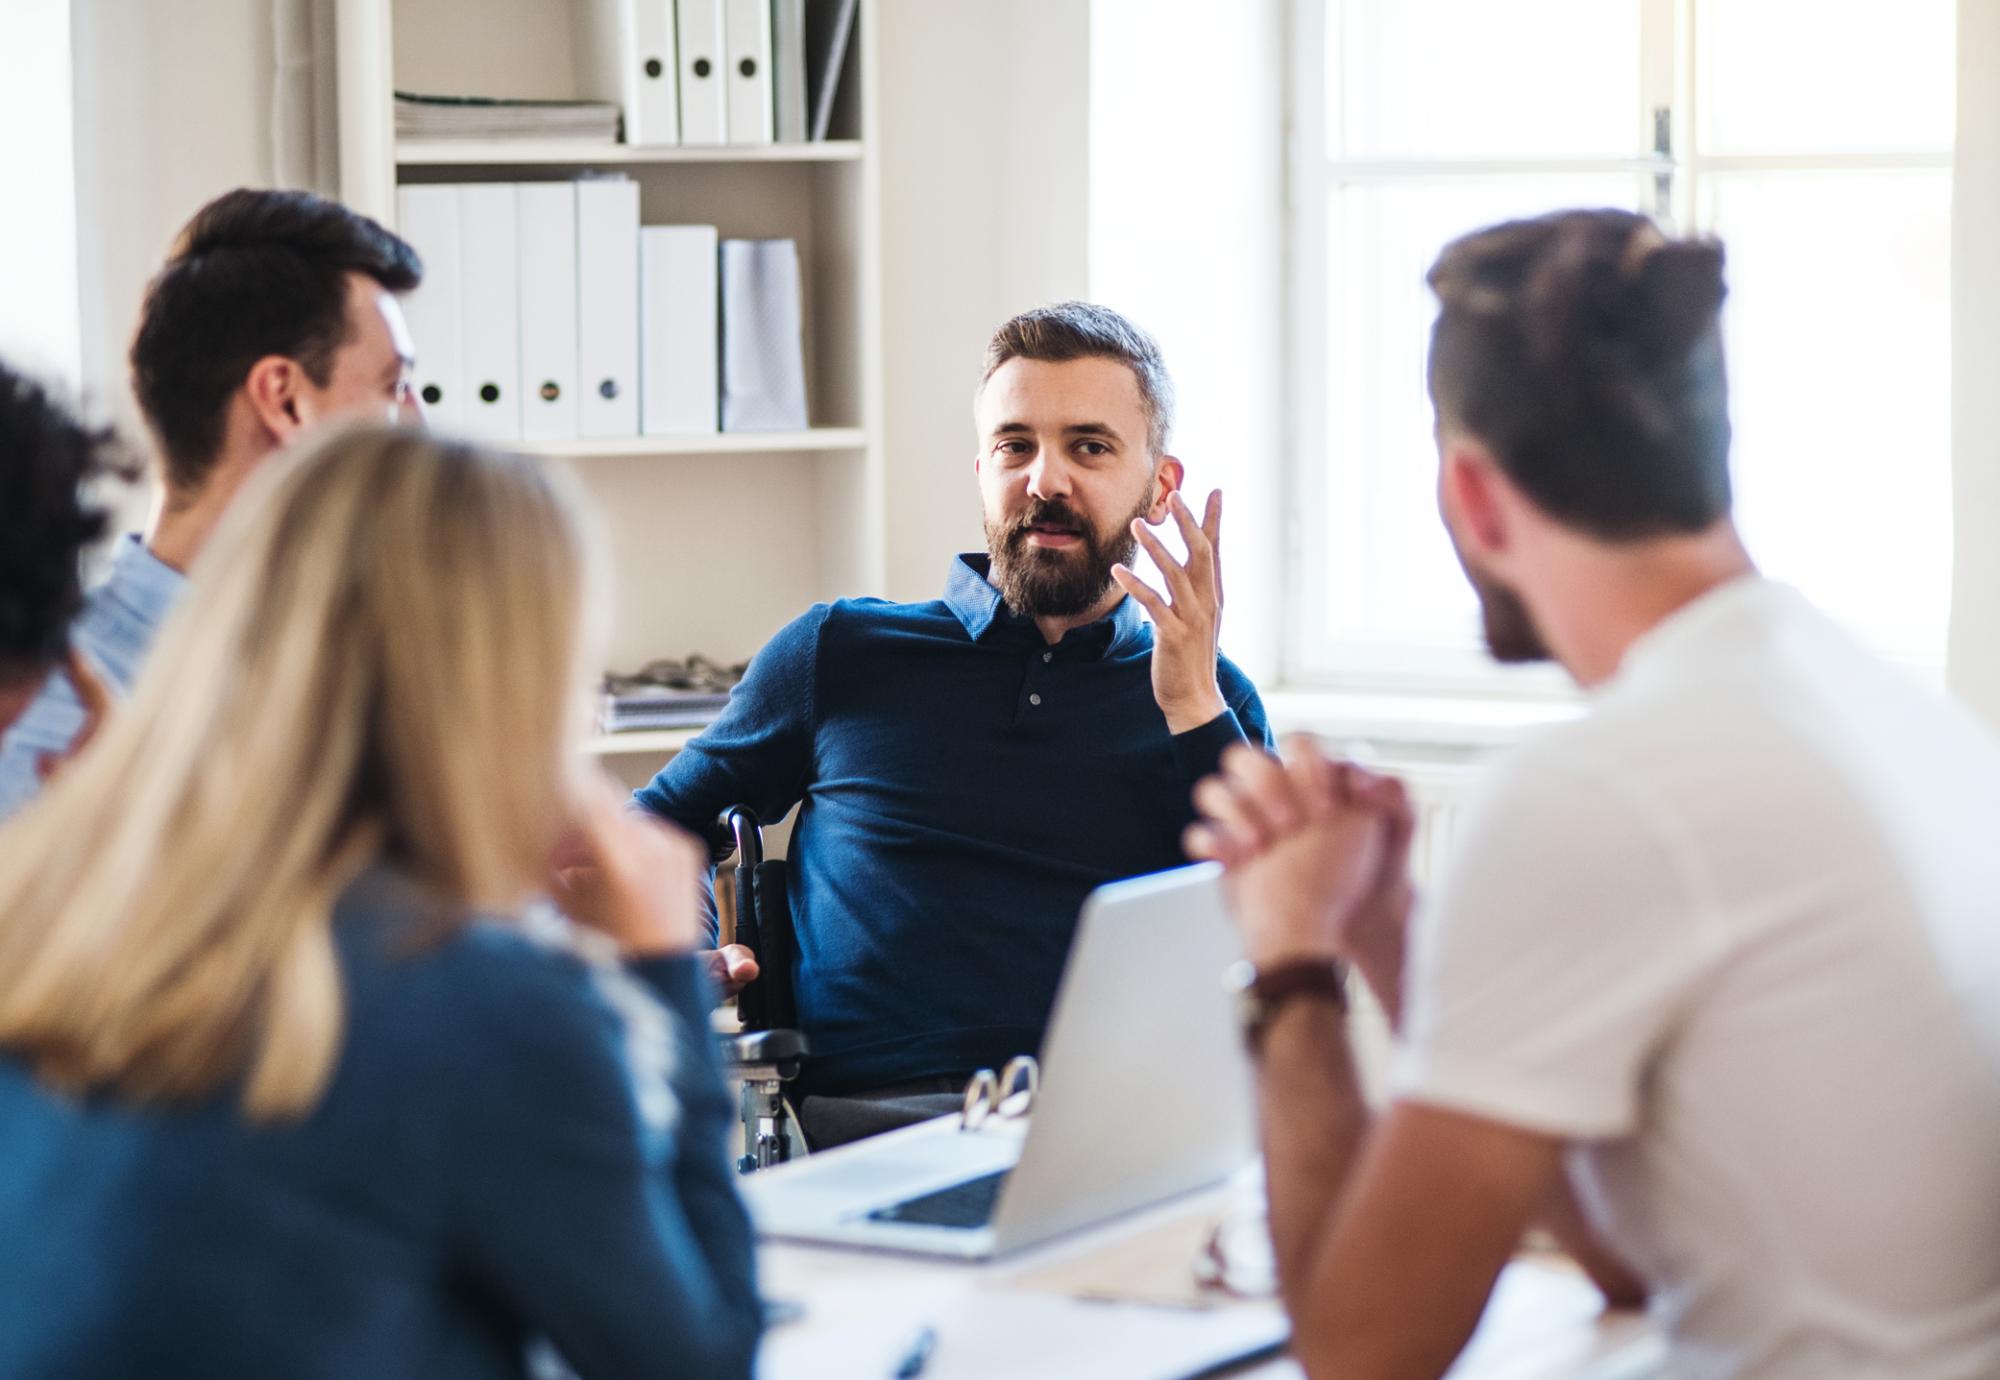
(1415, 726)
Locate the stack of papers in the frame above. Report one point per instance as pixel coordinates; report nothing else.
(995, 1335)
(480, 117)
(666, 694)
(633, 710)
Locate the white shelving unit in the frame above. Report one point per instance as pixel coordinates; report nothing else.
(558, 153)
(715, 540)
(820, 438)
(658, 743)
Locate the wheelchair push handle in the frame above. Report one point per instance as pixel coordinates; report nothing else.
(742, 830)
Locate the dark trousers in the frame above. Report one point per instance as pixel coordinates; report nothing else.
(831, 1121)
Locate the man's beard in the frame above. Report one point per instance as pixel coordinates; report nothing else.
(1511, 634)
(1042, 582)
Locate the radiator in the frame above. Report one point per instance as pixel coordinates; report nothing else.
(1437, 792)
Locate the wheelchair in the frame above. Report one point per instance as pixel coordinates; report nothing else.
(768, 1051)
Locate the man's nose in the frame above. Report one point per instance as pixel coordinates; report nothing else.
(411, 409)
(1049, 477)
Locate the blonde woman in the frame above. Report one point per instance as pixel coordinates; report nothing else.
(297, 1078)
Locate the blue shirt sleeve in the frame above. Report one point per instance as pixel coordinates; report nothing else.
(592, 1187)
(1249, 708)
(48, 725)
(1199, 750)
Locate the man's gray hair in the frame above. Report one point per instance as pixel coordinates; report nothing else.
(1064, 331)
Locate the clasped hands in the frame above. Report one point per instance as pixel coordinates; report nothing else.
(1316, 857)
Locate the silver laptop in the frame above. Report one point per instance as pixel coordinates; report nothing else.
(1145, 1093)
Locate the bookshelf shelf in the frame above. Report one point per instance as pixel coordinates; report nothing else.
(650, 743)
(824, 438)
(560, 153)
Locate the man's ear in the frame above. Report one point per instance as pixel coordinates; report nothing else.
(1472, 498)
(16, 694)
(1167, 477)
(273, 388)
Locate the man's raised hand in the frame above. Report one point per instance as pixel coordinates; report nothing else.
(1187, 619)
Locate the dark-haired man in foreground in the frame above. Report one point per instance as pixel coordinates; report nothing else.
(48, 461)
(275, 311)
(968, 769)
(1728, 940)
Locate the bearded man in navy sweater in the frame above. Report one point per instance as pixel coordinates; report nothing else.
(967, 769)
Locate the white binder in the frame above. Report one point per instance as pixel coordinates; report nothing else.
(546, 253)
(747, 40)
(427, 216)
(763, 352)
(628, 46)
(704, 80)
(490, 313)
(678, 329)
(607, 288)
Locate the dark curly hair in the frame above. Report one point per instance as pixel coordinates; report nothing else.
(48, 460)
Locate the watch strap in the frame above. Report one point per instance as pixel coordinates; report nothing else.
(1277, 986)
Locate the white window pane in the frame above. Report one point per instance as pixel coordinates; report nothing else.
(1476, 78)
(1389, 576)
(1824, 76)
(1840, 369)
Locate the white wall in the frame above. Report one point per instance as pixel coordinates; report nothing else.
(1974, 658)
(173, 105)
(985, 175)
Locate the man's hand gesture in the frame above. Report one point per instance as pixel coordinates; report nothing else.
(1187, 620)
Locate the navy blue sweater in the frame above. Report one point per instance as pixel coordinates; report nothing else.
(961, 787)
(515, 1144)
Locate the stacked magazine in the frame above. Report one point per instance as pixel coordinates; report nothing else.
(478, 117)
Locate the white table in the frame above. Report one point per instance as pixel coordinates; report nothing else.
(1019, 1317)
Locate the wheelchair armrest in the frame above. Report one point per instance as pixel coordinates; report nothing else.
(781, 1048)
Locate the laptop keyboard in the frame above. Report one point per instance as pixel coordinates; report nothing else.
(968, 1204)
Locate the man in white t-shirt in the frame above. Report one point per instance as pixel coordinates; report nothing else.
(1726, 948)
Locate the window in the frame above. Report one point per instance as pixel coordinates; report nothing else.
(1813, 136)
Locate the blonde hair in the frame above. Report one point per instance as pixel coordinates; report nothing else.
(377, 655)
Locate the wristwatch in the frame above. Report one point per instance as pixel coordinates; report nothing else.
(1262, 992)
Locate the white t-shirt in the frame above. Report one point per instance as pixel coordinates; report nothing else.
(1735, 934)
